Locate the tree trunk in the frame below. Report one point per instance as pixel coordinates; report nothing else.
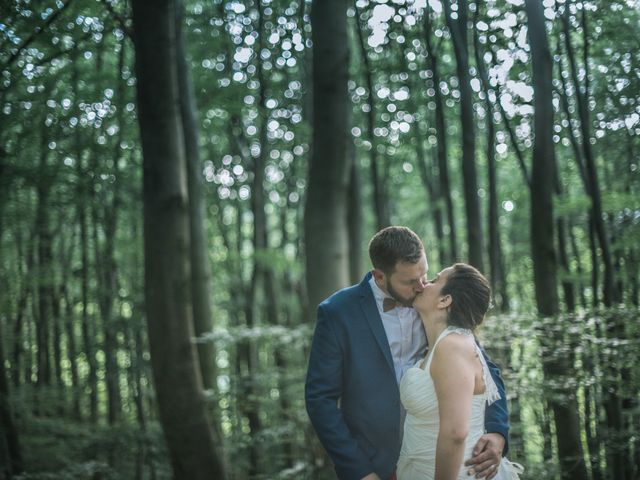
(72, 350)
(200, 268)
(10, 450)
(327, 245)
(427, 170)
(107, 292)
(22, 304)
(441, 139)
(432, 198)
(190, 438)
(578, 262)
(355, 221)
(458, 30)
(567, 422)
(610, 294)
(83, 198)
(496, 264)
(380, 197)
(45, 272)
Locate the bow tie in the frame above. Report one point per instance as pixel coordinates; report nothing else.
(389, 304)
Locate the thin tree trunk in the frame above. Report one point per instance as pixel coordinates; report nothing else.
(72, 350)
(578, 261)
(432, 198)
(10, 450)
(200, 268)
(441, 138)
(592, 403)
(190, 437)
(428, 172)
(137, 349)
(246, 349)
(45, 272)
(458, 30)
(380, 197)
(567, 422)
(56, 343)
(354, 220)
(18, 325)
(496, 265)
(595, 269)
(11, 462)
(83, 198)
(610, 295)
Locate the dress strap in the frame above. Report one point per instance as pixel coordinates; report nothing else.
(446, 332)
(491, 389)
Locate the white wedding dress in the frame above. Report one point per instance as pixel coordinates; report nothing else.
(418, 454)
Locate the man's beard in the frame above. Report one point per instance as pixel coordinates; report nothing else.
(407, 302)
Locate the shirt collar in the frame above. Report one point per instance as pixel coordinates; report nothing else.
(378, 294)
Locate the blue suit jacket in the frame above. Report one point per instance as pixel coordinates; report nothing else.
(351, 393)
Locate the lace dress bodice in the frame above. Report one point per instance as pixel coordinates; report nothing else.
(417, 392)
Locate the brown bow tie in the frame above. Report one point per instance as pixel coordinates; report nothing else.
(389, 304)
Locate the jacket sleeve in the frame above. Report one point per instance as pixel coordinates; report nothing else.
(497, 414)
(323, 390)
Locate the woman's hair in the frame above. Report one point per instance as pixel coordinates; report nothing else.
(471, 296)
(392, 245)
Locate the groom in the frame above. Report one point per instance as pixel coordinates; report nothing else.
(366, 338)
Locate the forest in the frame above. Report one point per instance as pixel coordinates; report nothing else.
(182, 182)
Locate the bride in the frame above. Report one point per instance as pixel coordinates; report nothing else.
(446, 393)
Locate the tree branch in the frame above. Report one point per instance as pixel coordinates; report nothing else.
(38, 30)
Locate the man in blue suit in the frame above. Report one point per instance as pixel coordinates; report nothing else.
(366, 337)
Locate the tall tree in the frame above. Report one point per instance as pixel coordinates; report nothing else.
(45, 265)
(380, 196)
(610, 294)
(82, 193)
(565, 411)
(325, 220)
(10, 449)
(496, 264)
(200, 267)
(457, 23)
(433, 55)
(191, 440)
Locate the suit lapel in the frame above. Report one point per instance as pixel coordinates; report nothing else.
(371, 313)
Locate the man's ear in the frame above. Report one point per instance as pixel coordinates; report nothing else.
(445, 301)
(378, 275)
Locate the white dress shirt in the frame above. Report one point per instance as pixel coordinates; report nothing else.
(405, 333)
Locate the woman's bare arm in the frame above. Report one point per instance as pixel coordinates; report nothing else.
(453, 374)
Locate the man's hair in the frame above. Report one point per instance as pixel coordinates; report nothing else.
(471, 296)
(392, 245)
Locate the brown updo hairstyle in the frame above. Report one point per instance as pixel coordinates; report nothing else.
(471, 295)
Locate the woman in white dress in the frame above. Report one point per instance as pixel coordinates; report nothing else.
(446, 393)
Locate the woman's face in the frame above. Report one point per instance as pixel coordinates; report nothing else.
(430, 299)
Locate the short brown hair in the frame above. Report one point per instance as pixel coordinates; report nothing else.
(392, 245)
(471, 296)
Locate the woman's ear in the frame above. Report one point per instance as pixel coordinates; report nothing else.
(445, 302)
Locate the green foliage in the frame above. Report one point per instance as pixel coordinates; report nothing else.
(70, 153)
(63, 449)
